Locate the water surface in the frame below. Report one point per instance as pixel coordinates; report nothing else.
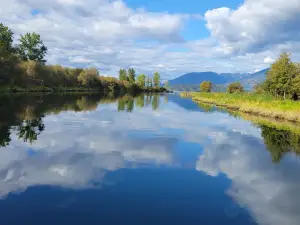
(90, 159)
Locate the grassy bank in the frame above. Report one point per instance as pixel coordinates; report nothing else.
(257, 104)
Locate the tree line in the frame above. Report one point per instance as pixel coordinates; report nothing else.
(141, 80)
(23, 67)
(282, 80)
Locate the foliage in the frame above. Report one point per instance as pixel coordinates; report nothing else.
(6, 38)
(206, 86)
(131, 75)
(281, 76)
(123, 75)
(31, 47)
(24, 70)
(156, 79)
(141, 80)
(235, 87)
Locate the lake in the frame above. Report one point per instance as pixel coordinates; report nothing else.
(161, 159)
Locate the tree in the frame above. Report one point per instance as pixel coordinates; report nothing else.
(6, 38)
(141, 80)
(156, 79)
(235, 87)
(122, 75)
(206, 86)
(280, 77)
(131, 75)
(89, 77)
(31, 47)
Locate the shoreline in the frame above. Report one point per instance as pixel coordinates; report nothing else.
(246, 106)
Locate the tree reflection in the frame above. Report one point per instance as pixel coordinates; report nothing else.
(24, 113)
(279, 142)
(29, 130)
(4, 136)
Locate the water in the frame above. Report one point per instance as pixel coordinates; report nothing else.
(88, 159)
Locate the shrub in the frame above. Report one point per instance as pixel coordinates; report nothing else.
(235, 87)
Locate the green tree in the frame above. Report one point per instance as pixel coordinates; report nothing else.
(156, 79)
(31, 47)
(141, 80)
(6, 38)
(280, 77)
(235, 87)
(131, 75)
(206, 86)
(89, 77)
(122, 75)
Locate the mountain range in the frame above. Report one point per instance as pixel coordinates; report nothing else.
(193, 80)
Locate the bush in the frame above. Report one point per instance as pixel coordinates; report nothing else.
(206, 86)
(235, 87)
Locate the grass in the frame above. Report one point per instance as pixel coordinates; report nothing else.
(257, 104)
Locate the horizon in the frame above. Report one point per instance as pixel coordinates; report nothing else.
(172, 38)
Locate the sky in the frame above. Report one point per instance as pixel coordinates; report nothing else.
(172, 37)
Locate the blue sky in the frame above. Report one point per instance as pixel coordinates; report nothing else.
(194, 29)
(172, 37)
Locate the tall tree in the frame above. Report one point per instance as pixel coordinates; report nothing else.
(131, 75)
(141, 80)
(156, 79)
(31, 47)
(6, 38)
(122, 74)
(280, 77)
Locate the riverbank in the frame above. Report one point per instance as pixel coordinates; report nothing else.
(256, 104)
(16, 89)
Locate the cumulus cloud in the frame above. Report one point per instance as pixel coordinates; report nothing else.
(267, 190)
(110, 35)
(256, 25)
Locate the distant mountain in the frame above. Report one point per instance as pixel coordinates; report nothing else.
(197, 78)
(191, 81)
(254, 78)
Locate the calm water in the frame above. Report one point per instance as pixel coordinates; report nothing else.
(145, 160)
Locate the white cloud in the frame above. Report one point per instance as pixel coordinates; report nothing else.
(256, 25)
(268, 60)
(110, 35)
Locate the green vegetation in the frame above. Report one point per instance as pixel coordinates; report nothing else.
(283, 79)
(23, 69)
(276, 97)
(258, 104)
(235, 87)
(206, 86)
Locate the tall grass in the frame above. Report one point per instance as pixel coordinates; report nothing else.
(259, 104)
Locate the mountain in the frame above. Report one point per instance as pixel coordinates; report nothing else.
(191, 81)
(254, 78)
(199, 77)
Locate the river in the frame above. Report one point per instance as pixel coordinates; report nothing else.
(161, 159)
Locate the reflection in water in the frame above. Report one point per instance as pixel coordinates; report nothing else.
(145, 161)
(279, 142)
(280, 137)
(25, 113)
